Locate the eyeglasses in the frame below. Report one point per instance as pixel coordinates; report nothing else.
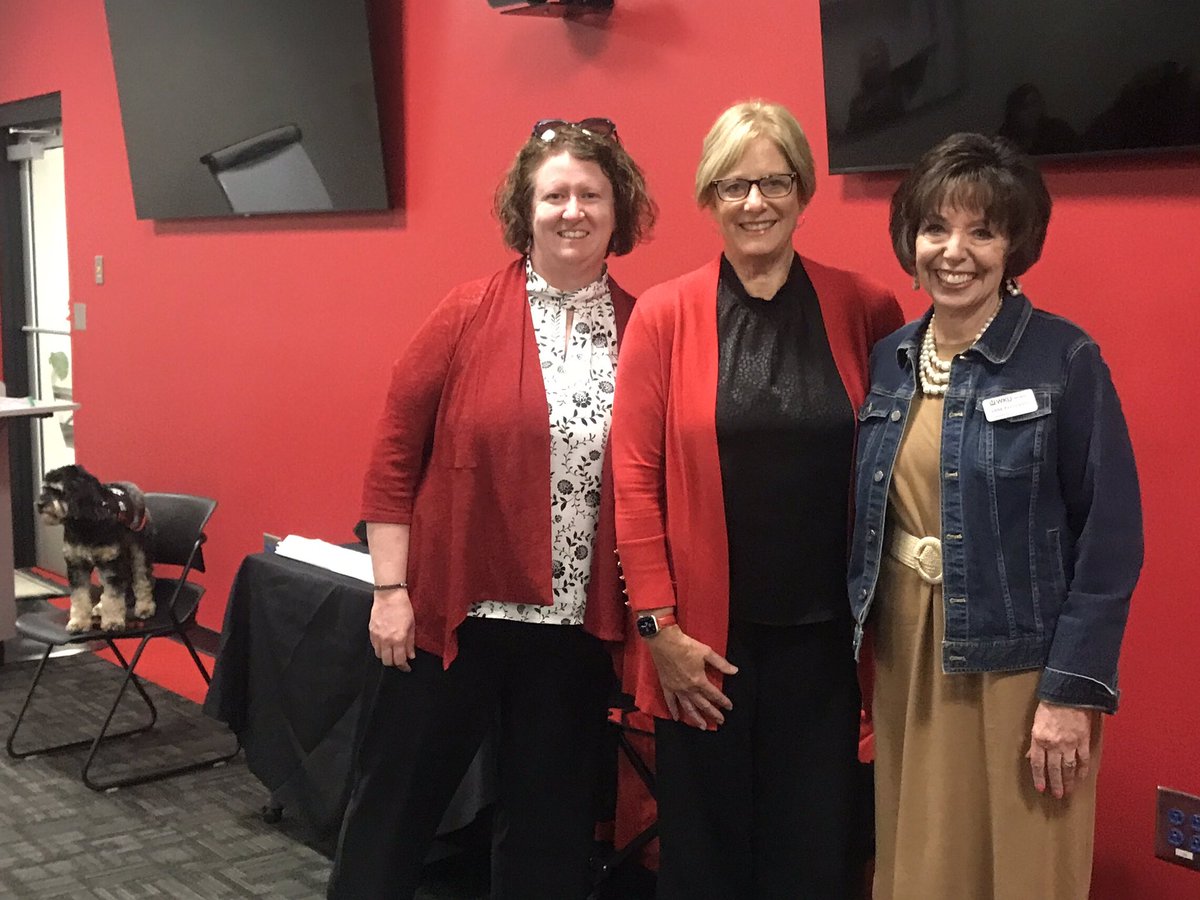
(770, 186)
(547, 129)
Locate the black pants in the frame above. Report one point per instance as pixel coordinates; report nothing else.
(763, 807)
(548, 687)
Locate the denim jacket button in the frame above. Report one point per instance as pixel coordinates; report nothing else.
(895, 416)
(878, 476)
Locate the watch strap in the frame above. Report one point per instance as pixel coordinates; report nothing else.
(648, 624)
(666, 620)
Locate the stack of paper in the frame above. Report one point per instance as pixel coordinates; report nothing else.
(327, 556)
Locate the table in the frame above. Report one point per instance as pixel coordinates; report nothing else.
(14, 408)
(289, 679)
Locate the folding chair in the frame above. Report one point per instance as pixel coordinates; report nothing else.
(620, 709)
(178, 522)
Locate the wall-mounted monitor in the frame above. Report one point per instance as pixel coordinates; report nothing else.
(244, 107)
(1061, 79)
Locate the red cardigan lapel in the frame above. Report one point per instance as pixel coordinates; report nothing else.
(498, 542)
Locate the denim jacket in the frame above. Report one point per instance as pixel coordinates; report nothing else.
(1041, 512)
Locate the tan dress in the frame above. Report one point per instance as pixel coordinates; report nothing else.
(957, 816)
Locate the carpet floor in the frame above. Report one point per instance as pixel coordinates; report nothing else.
(199, 836)
(193, 836)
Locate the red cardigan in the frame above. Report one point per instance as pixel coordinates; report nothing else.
(462, 454)
(670, 506)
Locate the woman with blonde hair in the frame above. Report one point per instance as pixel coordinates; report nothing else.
(733, 437)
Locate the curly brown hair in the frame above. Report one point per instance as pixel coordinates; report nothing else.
(635, 211)
(974, 172)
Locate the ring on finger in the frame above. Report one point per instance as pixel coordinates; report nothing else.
(1070, 763)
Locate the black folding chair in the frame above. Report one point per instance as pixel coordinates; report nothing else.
(177, 523)
(605, 869)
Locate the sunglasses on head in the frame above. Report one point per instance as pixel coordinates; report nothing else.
(547, 129)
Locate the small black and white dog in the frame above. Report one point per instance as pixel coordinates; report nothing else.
(105, 527)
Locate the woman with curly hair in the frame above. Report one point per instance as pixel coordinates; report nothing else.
(489, 511)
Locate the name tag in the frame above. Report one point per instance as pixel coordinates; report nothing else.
(1006, 406)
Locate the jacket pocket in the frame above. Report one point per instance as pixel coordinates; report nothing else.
(873, 416)
(1016, 445)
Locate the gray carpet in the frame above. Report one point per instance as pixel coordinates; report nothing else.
(193, 836)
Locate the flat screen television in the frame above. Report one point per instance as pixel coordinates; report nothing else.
(245, 107)
(1061, 79)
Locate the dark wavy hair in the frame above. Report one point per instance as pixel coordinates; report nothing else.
(635, 211)
(974, 172)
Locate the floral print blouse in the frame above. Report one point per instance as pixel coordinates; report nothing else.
(579, 371)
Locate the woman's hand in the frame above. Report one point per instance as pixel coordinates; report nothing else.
(392, 628)
(682, 663)
(1060, 747)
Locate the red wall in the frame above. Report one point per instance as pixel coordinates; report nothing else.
(247, 360)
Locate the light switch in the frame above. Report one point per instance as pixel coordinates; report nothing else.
(79, 319)
(99, 270)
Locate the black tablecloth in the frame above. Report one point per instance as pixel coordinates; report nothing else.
(289, 679)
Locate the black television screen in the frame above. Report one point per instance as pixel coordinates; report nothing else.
(1063, 78)
(241, 107)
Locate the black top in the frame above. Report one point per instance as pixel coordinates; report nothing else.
(785, 436)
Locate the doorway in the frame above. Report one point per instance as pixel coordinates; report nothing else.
(34, 304)
(38, 151)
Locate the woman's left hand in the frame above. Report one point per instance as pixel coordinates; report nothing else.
(1060, 747)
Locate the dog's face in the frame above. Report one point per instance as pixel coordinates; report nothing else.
(71, 492)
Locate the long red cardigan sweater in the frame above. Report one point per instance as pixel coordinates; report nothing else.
(462, 454)
(670, 504)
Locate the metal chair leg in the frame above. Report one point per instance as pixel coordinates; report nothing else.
(187, 642)
(137, 682)
(158, 774)
(10, 745)
(12, 735)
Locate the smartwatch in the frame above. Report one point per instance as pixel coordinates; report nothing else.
(648, 626)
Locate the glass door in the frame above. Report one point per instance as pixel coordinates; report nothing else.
(47, 304)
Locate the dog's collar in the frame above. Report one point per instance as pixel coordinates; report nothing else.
(129, 513)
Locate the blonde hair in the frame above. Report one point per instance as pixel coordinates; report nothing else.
(734, 131)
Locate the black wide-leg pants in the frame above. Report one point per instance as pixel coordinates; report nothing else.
(547, 687)
(763, 808)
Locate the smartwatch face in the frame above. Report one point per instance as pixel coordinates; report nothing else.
(647, 626)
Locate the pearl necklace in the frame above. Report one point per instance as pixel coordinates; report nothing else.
(934, 371)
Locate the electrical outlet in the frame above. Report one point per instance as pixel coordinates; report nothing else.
(1177, 828)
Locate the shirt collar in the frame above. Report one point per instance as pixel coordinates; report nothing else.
(729, 278)
(997, 343)
(537, 287)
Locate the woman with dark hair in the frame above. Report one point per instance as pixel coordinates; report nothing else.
(494, 597)
(733, 440)
(997, 541)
